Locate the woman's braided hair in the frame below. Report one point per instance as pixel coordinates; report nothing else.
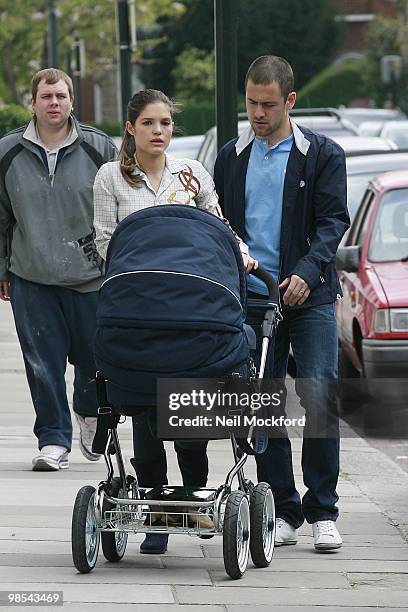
(127, 151)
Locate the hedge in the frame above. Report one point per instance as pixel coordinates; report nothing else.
(338, 84)
(12, 116)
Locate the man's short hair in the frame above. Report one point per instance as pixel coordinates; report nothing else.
(51, 76)
(268, 68)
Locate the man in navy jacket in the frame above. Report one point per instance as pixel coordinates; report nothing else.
(283, 189)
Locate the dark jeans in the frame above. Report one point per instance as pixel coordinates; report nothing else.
(55, 325)
(312, 332)
(150, 460)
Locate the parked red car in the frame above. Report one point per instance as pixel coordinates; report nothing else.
(373, 270)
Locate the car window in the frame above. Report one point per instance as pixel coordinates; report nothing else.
(389, 240)
(208, 151)
(356, 186)
(359, 226)
(400, 137)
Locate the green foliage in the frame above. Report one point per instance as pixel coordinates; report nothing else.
(23, 36)
(303, 31)
(198, 83)
(383, 39)
(21, 41)
(195, 118)
(198, 117)
(338, 84)
(12, 117)
(193, 27)
(111, 128)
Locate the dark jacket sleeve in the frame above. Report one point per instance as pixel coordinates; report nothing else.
(331, 217)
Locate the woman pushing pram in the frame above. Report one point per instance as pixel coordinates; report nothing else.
(146, 176)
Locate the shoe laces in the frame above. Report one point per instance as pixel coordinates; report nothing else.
(280, 523)
(324, 527)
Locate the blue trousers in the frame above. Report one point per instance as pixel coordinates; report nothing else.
(56, 325)
(312, 333)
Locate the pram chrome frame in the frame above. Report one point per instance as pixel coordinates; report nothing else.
(245, 517)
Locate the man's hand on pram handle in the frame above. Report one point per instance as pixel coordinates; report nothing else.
(249, 263)
(297, 290)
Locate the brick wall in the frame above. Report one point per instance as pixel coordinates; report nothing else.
(354, 31)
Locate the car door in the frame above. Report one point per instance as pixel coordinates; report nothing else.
(350, 281)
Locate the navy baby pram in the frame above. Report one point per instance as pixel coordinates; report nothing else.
(173, 303)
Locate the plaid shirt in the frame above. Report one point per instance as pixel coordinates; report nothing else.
(184, 181)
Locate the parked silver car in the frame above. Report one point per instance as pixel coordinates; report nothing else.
(325, 121)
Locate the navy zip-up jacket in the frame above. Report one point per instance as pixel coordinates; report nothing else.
(314, 215)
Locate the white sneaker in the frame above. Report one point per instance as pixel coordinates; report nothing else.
(51, 458)
(87, 429)
(326, 536)
(285, 534)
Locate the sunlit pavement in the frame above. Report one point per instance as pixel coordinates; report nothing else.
(35, 519)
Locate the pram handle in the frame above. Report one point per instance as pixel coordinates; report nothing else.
(270, 283)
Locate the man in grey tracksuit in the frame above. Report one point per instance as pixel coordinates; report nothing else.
(49, 267)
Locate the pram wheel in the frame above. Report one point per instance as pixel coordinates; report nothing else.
(85, 537)
(262, 513)
(236, 532)
(113, 543)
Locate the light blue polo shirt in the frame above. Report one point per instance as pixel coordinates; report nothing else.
(263, 205)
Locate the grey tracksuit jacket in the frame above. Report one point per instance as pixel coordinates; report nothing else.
(46, 222)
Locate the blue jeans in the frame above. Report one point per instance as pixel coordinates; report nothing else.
(55, 325)
(312, 332)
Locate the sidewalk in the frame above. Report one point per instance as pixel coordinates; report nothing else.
(370, 571)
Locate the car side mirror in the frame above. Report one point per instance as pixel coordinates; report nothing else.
(348, 258)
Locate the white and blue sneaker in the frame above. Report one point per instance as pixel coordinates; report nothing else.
(51, 459)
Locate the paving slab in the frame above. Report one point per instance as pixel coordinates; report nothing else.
(53, 561)
(126, 607)
(105, 575)
(288, 580)
(41, 533)
(135, 593)
(319, 564)
(396, 581)
(281, 596)
(346, 553)
(314, 608)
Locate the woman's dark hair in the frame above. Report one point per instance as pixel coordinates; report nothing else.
(127, 151)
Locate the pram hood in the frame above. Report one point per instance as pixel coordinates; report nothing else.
(173, 303)
(173, 266)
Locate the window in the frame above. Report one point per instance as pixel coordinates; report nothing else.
(359, 226)
(389, 240)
